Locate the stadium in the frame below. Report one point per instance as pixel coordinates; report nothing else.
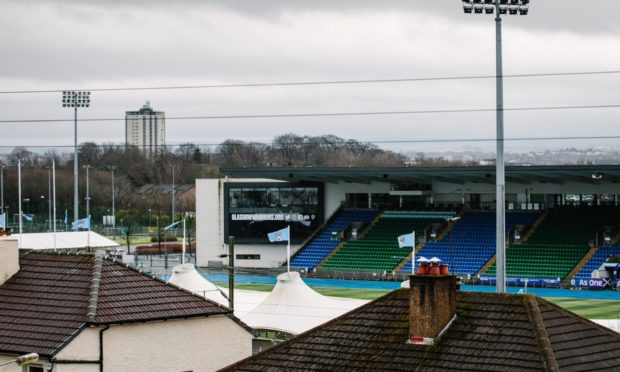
(562, 222)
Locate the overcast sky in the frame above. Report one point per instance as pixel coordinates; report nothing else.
(64, 44)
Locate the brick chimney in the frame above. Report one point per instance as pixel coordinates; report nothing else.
(432, 306)
(9, 258)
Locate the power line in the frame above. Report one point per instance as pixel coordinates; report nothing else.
(343, 142)
(326, 82)
(328, 114)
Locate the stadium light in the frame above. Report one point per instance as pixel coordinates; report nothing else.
(87, 198)
(75, 99)
(499, 7)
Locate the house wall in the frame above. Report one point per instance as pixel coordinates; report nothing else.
(199, 344)
(13, 367)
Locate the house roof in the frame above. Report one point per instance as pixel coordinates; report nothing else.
(492, 331)
(49, 300)
(63, 239)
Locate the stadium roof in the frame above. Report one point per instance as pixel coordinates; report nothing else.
(293, 307)
(51, 299)
(187, 277)
(553, 174)
(499, 332)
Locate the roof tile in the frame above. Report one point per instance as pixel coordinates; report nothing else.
(45, 303)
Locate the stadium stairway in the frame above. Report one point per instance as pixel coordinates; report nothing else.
(471, 243)
(408, 258)
(323, 242)
(597, 259)
(532, 229)
(446, 228)
(559, 243)
(378, 248)
(584, 260)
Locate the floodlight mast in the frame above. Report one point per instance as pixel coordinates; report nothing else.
(500, 7)
(75, 99)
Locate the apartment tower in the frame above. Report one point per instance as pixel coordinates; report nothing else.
(145, 129)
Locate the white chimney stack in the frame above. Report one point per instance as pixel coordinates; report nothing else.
(9, 258)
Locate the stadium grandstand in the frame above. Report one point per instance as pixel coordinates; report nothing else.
(562, 222)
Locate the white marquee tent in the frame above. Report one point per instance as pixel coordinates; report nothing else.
(64, 240)
(293, 307)
(186, 277)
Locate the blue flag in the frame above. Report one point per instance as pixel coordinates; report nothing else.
(28, 217)
(405, 240)
(280, 235)
(2, 220)
(172, 225)
(66, 215)
(84, 223)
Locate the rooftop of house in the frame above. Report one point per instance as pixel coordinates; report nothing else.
(492, 332)
(54, 296)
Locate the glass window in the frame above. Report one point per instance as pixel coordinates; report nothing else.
(254, 211)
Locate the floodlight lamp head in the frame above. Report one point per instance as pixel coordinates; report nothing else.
(467, 8)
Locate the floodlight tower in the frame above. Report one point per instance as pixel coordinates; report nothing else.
(75, 99)
(499, 7)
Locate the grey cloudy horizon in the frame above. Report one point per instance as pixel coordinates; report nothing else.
(70, 44)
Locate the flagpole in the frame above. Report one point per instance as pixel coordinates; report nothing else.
(88, 236)
(19, 189)
(183, 245)
(288, 250)
(54, 196)
(413, 252)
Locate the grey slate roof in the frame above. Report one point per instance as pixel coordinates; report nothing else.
(492, 332)
(44, 305)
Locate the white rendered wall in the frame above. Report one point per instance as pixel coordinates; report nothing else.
(199, 344)
(209, 220)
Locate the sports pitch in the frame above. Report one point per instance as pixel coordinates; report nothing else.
(590, 308)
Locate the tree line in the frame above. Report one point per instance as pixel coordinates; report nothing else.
(133, 169)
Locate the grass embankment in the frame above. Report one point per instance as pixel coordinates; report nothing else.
(587, 308)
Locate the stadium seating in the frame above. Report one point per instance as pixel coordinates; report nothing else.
(378, 249)
(323, 242)
(558, 243)
(597, 260)
(471, 242)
